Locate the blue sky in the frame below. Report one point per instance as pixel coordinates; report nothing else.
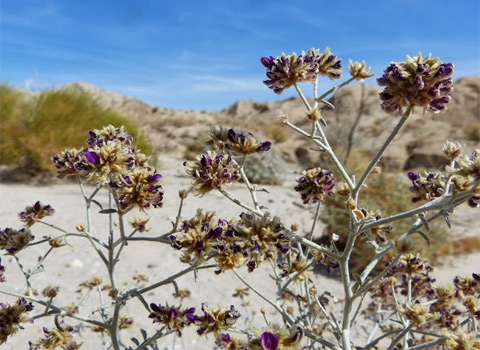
(205, 54)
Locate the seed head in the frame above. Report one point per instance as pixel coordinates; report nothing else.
(15, 240)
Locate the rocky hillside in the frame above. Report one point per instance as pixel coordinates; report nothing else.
(179, 132)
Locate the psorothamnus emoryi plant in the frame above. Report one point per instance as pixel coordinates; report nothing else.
(398, 299)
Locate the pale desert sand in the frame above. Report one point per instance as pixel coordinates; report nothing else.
(71, 265)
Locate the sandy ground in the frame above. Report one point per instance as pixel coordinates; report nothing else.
(71, 265)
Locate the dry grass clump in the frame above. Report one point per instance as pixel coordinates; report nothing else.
(472, 131)
(34, 130)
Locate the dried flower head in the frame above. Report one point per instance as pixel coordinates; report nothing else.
(314, 184)
(125, 322)
(200, 236)
(51, 291)
(467, 285)
(93, 282)
(424, 82)
(139, 224)
(277, 338)
(98, 138)
(35, 212)
(15, 240)
(237, 142)
(415, 312)
(470, 165)
(452, 150)
(140, 187)
(56, 242)
(241, 292)
(215, 320)
(12, 316)
(295, 265)
(459, 340)
(108, 162)
(56, 338)
(71, 162)
(172, 317)
(426, 186)
(314, 114)
(259, 238)
(359, 71)
(211, 171)
(287, 70)
(226, 342)
(342, 189)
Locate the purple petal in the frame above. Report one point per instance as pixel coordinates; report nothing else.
(93, 157)
(265, 146)
(154, 178)
(269, 341)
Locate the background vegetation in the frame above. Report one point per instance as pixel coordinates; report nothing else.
(34, 128)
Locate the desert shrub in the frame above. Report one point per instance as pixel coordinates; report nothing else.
(385, 195)
(473, 131)
(13, 110)
(33, 132)
(406, 309)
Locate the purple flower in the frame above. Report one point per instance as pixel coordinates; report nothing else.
(269, 341)
(93, 157)
(424, 82)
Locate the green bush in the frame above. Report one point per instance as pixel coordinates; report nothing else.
(33, 131)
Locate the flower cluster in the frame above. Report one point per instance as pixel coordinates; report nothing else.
(426, 186)
(12, 316)
(56, 338)
(287, 70)
(277, 338)
(273, 338)
(359, 71)
(424, 303)
(258, 239)
(212, 171)
(463, 172)
(140, 187)
(200, 237)
(250, 240)
(172, 317)
(470, 165)
(36, 212)
(424, 82)
(15, 240)
(210, 321)
(98, 138)
(459, 340)
(229, 140)
(314, 184)
(111, 160)
(215, 320)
